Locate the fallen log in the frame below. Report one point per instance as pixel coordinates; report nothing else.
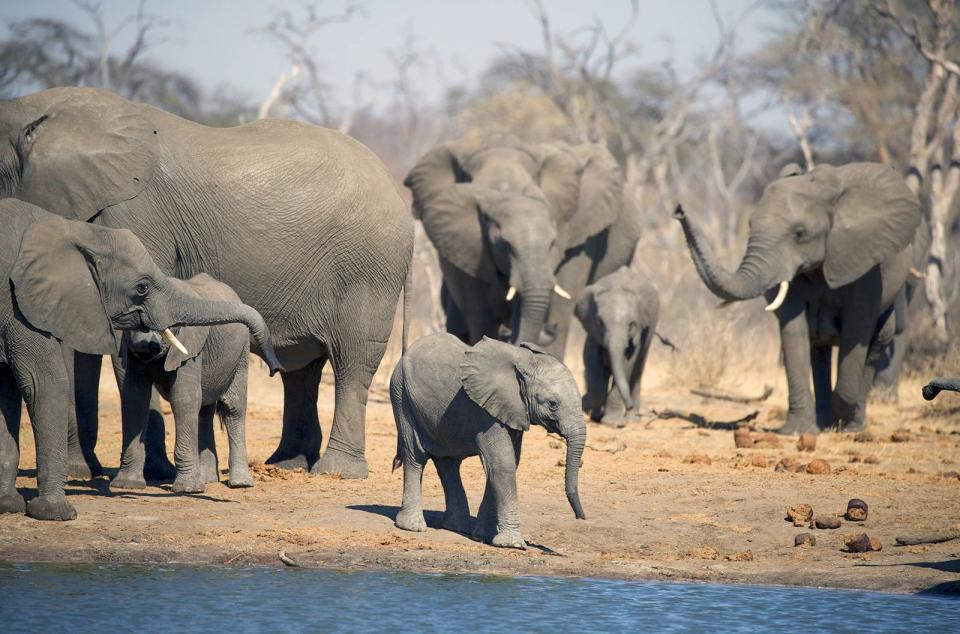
(700, 421)
(930, 538)
(720, 395)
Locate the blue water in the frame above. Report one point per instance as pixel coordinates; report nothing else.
(123, 598)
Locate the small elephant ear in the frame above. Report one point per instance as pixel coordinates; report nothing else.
(88, 150)
(55, 285)
(491, 378)
(193, 339)
(586, 305)
(600, 202)
(446, 204)
(875, 217)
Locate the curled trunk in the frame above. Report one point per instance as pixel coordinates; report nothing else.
(576, 436)
(938, 385)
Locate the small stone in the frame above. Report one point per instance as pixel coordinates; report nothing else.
(698, 458)
(855, 459)
(901, 435)
(800, 514)
(768, 440)
(856, 510)
(861, 543)
(789, 465)
(741, 438)
(871, 460)
(826, 522)
(804, 539)
(807, 442)
(863, 436)
(759, 461)
(818, 467)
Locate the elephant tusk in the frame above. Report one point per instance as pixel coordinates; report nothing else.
(173, 341)
(778, 300)
(562, 293)
(511, 293)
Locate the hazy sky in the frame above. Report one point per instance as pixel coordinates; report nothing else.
(214, 40)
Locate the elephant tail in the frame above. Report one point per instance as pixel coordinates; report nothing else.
(666, 341)
(407, 293)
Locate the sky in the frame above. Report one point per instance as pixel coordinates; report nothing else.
(216, 41)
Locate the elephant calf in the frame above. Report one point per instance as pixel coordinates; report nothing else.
(451, 401)
(619, 313)
(206, 375)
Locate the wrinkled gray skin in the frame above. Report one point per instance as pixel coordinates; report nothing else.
(505, 214)
(451, 401)
(304, 223)
(76, 282)
(619, 313)
(211, 379)
(842, 236)
(939, 384)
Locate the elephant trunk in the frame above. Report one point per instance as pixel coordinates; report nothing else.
(938, 385)
(747, 282)
(616, 344)
(194, 311)
(575, 433)
(535, 302)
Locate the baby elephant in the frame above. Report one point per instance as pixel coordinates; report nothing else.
(452, 401)
(207, 374)
(619, 313)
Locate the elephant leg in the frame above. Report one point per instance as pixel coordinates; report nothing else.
(455, 320)
(597, 379)
(207, 445)
(469, 305)
(157, 466)
(456, 516)
(795, 345)
(410, 516)
(301, 436)
(185, 399)
(10, 500)
(854, 372)
(822, 361)
(77, 467)
(135, 390)
(886, 384)
(486, 525)
(572, 276)
(86, 392)
(498, 452)
(233, 414)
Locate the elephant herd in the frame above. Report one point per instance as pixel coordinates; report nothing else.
(178, 249)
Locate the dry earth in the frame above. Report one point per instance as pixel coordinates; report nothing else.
(664, 500)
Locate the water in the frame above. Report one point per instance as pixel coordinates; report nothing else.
(52, 598)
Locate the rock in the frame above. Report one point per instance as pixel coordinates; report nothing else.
(855, 458)
(871, 460)
(901, 435)
(741, 438)
(767, 440)
(804, 539)
(861, 543)
(826, 522)
(807, 442)
(818, 467)
(789, 465)
(800, 514)
(863, 436)
(698, 458)
(759, 461)
(856, 510)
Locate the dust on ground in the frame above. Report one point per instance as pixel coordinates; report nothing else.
(664, 499)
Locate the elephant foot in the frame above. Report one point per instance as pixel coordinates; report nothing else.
(12, 504)
(208, 467)
(82, 468)
(410, 521)
(127, 481)
(456, 522)
(193, 483)
(50, 508)
(342, 464)
(159, 470)
(798, 424)
(240, 479)
(508, 539)
(852, 426)
(617, 421)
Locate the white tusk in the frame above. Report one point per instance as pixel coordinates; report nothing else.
(511, 293)
(173, 341)
(778, 300)
(562, 293)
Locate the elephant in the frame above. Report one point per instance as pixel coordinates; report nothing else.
(939, 384)
(70, 286)
(204, 377)
(831, 250)
(619, 313)
(304, 223)
(451, 401)
(519, 231)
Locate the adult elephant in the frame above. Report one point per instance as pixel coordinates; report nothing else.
(832, 250)
(520, 230)
(304, 223)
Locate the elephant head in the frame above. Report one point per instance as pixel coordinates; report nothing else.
(506, 214)
(841, 220)
(80, 282)
(75, 151)
(523, 385)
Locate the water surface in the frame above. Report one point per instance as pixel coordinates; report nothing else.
(114, 597)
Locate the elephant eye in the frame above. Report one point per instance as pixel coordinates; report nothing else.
(799, 233)
(142, 288)
(553, 404)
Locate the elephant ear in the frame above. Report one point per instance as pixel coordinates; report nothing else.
(586, 305)
(446, 204)
(559, 179)
(491, 373)
(55, 283)
(875, 217)
(193, 339)
(600, 201)
(88, 151)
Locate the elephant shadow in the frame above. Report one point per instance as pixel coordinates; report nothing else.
(101, 487)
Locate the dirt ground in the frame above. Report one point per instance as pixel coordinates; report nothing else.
(664, 500)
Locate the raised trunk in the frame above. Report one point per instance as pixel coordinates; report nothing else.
(616, 344)
(751, 278)
(575, 433)
(193, 311)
